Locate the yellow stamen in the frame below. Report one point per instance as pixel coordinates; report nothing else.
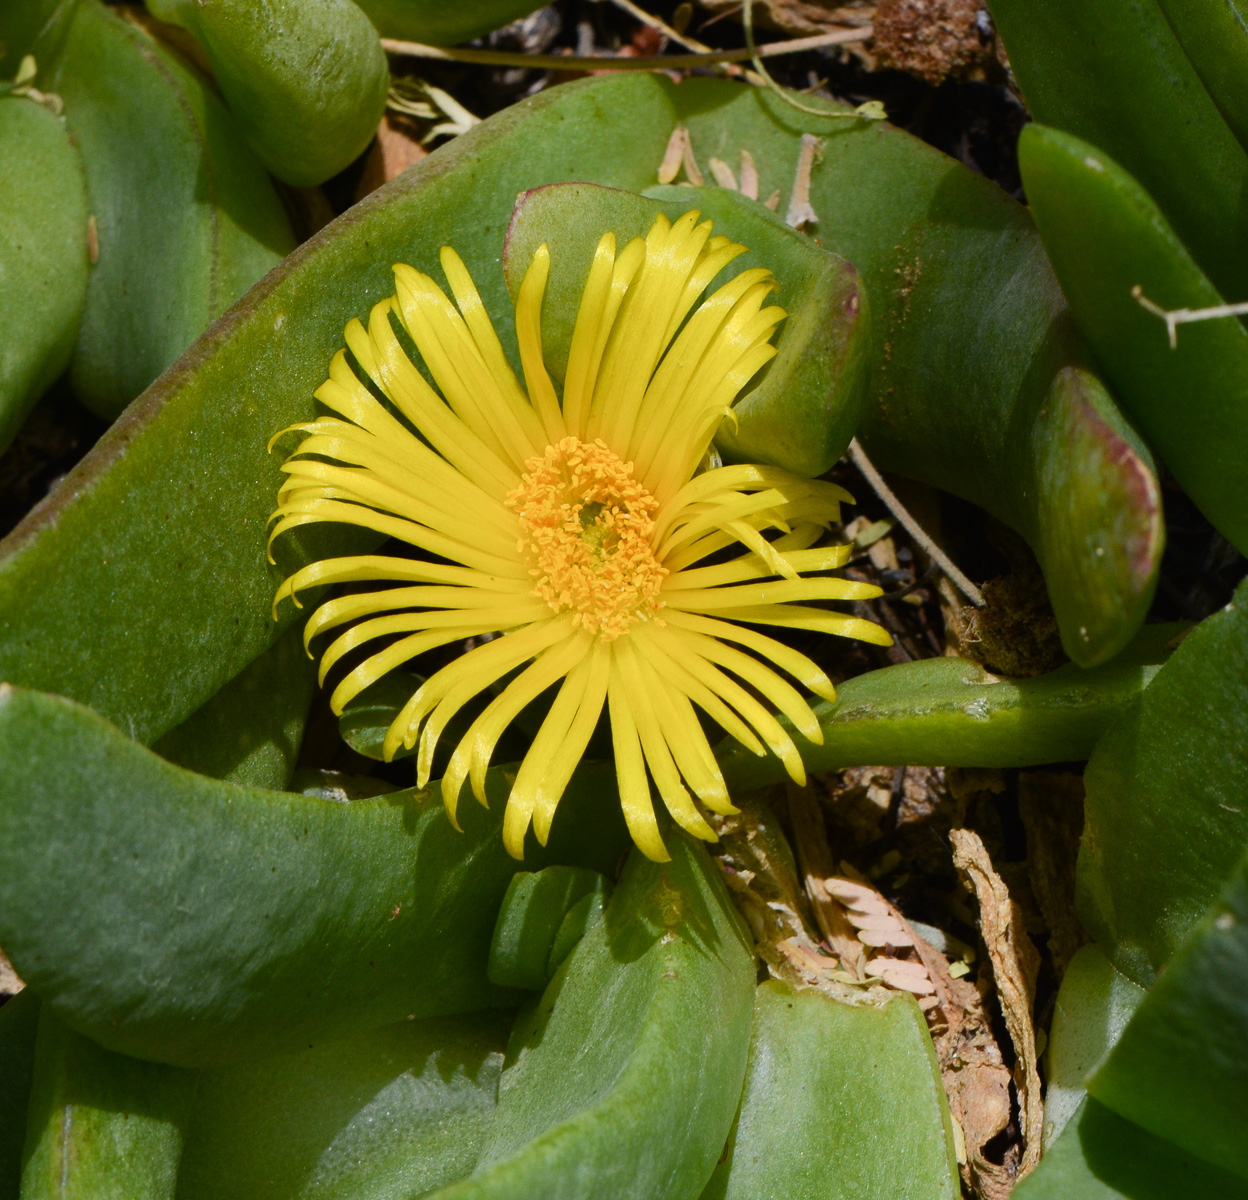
(586, 528)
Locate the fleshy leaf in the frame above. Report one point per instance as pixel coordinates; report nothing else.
(979, 380)
(1165, 817)
(1103, 1157)
(186, 218)
(306, 80)
(1106, 237)
(950, 712)
(531, 917)
(101, 1124)
(842, 1102)
(1114, 74)
(43, 255)
(386, 1115)
(251, 730)
(1181, 1067)
(1094, 1004)
(194, 922)
(442, 22)
(624, 1077)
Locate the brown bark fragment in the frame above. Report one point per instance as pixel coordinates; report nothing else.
(1014, 966)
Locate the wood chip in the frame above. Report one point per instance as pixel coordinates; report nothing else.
(815, 860)
(1014, 964)
(749, 176)
(892, 937)
(800, 211)
(679, 154)
(723, 175)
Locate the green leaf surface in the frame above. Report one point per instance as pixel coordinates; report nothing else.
(250, 732)
(385, 1115)
(102, 1126)
(43, 255)
(531, 917)
(978, 381)
(809, 400)
(186, 218)
(1093, 1006)
(442, 22)
(951, 712)
(1114, 74)
(1106, 237)
(19, 1024)
(1181, 1067)
(576, 923)
(624, 1079)
(306, 80)
(194, 922)
(1214, 35)
(1103, 1157)
(841, 1102)
(1166, 815)
(161, 526)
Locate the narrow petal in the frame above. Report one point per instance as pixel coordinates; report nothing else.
(654, 744)
(795, 662)
(630, 773)
(472, 756)
(529, 338)
(561, 764)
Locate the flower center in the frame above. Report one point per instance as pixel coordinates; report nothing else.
(587, 524)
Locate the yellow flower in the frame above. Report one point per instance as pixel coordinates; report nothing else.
(586, 532)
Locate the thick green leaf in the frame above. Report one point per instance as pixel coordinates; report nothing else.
(977, 381)
(186, 219)
(1105, 237)
(1094, 1004)
(161, 528)
(951, 712)
(43, 255)
(385, 1115)
(531, 918)
(251, 730)
(576, 923)
(624, 1079)
(1091, 1153)
(1103, 1157)
(1214, 35)
(189, 921)
(1165, 816)
(841, 1103)
(442, 22)
(306, 80)
(1181, 1067)
(1114, 74)
(810, 399)
(102, 1126)
(19, 1023)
